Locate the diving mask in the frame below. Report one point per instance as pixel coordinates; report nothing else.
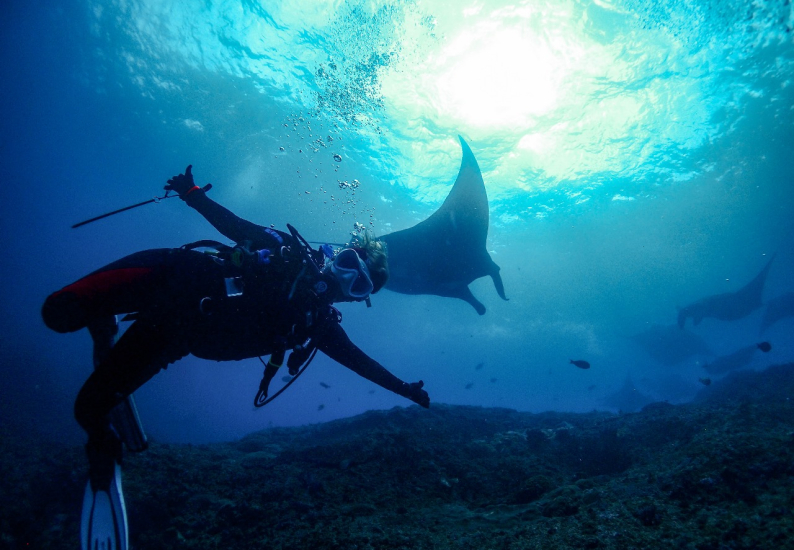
(352, 274)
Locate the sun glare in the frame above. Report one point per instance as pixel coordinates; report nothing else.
(497, 78)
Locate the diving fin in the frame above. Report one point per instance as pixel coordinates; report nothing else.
(103, 525)
(124, 416)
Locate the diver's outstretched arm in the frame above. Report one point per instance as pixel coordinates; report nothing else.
(337, 345)
(227, 223)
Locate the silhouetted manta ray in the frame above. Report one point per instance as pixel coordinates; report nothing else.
(777, 309)
(446, 252)
(728, 306)
(628, 398)
(736, 360)
(670, 345)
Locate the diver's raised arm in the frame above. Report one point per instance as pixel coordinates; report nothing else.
(227, 223)
(337, 345)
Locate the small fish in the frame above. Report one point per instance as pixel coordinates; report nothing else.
(479, 366)
(321, 407)
(764, 346)
(493, 380)
(705, 381)
(591, 387)
(323, 384)
(286, 378)
(371, 392)
(581, 364)
(469, 385)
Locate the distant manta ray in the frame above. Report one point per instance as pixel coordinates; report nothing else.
(670, 345)
(736, 360)
(628, 398)
(446, 252)
(777, 309)
(728, 306)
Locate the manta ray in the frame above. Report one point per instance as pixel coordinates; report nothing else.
(628, 398)
(733, 361)
(728, 306)
(670, 345)
(777, 309)
(444, 253)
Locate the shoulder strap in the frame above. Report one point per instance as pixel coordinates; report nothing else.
(207, 243)
(308, 254)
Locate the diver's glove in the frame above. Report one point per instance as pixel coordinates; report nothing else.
(415, 393)
(183, 184)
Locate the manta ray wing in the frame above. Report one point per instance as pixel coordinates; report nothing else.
(444, 253)
(729, 306)
(777, 309)
(733, 361)
(752, 292)
(670, 345)
(628, 398)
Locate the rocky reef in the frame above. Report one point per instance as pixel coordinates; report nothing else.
(715, 474)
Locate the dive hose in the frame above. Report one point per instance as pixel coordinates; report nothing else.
(261, 399)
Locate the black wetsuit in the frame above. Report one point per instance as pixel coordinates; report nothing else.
(182, 306)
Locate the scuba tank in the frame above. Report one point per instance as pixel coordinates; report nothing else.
(241, 258)
(302, 354)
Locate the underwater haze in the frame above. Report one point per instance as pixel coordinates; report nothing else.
(637, 157)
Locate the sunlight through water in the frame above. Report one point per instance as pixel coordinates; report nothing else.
(567, 97)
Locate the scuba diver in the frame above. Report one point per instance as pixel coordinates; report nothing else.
(268, 295)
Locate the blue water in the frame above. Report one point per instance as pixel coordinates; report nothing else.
(637, 157)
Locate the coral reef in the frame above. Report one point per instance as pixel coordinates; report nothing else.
(713, 474)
